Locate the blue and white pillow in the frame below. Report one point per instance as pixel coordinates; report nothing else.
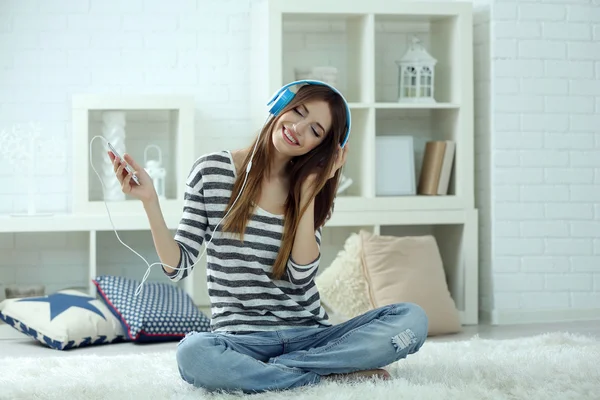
(63, 320)
(161, 312)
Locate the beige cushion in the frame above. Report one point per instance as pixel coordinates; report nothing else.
(409, 269)
(342, 285)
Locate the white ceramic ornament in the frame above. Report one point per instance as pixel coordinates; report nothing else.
(155, 170)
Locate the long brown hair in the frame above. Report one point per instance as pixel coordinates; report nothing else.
(321, 158)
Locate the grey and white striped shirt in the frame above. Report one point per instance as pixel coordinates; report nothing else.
(243, 296)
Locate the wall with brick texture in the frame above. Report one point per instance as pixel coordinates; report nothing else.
(544, 164)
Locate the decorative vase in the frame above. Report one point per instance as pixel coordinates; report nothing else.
(156, 171)
(113, 130)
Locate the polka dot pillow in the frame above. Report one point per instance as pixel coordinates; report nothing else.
(161, 312)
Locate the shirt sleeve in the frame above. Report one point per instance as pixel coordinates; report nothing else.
(302, 274)
(191, 231)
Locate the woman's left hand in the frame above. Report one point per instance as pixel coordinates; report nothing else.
(340, 160)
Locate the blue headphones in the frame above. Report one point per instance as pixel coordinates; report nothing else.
(283, 97)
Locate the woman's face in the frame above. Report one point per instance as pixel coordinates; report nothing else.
(302, 128)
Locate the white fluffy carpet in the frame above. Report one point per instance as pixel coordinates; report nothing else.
(551, 366)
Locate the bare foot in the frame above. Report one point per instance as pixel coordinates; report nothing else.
(370, 373)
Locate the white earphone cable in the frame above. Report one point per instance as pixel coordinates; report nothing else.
(139, 288)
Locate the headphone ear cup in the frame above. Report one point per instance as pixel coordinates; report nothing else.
(281, 102)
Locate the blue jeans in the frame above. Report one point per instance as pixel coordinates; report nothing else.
(284, 359)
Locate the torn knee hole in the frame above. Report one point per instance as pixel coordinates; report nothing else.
(404, 339)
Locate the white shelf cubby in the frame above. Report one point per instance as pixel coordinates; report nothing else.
(442, 34)
(166, 121)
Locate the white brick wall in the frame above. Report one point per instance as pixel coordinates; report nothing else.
(545, 155)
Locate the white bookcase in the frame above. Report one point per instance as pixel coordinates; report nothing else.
(363, 39)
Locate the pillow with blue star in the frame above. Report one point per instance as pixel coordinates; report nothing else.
(161, 312)
(63, 320)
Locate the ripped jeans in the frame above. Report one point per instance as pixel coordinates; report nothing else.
(285, 359)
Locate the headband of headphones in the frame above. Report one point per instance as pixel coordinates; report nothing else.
(283, 97)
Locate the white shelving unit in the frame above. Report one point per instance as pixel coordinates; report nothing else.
(362, 39)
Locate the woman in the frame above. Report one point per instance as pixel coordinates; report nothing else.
(268, 328)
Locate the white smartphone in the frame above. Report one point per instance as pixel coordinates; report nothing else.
(127, 166)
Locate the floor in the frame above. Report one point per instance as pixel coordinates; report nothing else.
(13, 343)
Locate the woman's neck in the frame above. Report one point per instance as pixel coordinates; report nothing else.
(278, 166)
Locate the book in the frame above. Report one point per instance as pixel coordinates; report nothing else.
(438, 161)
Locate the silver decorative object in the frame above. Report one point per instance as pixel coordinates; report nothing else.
(156, 171)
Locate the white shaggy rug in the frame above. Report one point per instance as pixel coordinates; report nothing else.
(551, 366)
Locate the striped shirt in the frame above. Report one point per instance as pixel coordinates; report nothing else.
(243, 296)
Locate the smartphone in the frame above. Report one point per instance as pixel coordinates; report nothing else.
(127, 166)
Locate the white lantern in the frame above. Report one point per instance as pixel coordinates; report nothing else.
(155, 170)
(416, 74)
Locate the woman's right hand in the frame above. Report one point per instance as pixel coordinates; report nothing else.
(145, 191)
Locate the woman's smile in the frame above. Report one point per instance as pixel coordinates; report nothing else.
(289, 137)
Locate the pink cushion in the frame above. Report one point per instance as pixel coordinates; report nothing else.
(409, 269)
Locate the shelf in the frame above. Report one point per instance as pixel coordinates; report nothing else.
(347, 209)
(397, 203)
(410, 106)
(459, 259)
(341, 41)
(359, 106)
(424, 125)
(130, 102)
(78, 222)
(148, 127)
(95, 253)
(454, 236)
(415, 9)
(403, 106)
(363, 42)
(442, 38)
